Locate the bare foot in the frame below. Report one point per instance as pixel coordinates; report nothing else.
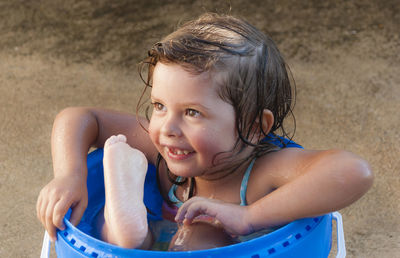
(125, 216)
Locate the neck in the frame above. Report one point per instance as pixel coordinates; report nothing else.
(228, 169)
(229, 177)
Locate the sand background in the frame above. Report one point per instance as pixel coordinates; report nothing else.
(344, 56)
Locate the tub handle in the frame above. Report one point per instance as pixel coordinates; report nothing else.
(341, 246)
(46, 246)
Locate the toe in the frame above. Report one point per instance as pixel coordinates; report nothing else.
(115, 139)
(110, 141)
(121, 138)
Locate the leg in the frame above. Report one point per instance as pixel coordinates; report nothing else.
(199, 236)
(125, 217)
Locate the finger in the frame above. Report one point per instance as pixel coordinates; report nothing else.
(77, 212)
(180, 216)
(195, 210)
(41, 206)
(48, 218)
(38, 207)
(60, 209)
(42, 211)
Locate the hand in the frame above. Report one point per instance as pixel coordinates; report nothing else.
(56, 198)
(232, 217)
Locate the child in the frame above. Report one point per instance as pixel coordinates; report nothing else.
(220, 92)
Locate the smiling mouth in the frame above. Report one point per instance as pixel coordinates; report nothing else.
(175, 152)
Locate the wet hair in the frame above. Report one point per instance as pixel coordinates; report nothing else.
(252, 75)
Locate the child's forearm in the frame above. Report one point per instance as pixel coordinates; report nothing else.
(332, 182)
(74, 131)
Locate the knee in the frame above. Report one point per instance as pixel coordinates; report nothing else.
(200, 236)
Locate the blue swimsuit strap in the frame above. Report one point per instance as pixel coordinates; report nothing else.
(243, 188)
(172, 194)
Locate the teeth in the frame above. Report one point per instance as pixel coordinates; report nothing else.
(180, 152)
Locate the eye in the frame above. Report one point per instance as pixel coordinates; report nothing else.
(158, 106)
(192, 112)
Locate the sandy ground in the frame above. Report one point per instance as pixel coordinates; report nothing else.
(344, 56)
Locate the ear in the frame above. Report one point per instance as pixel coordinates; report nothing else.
(267, 121)
(266, 125)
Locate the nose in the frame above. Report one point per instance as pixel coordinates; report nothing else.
(171, 127)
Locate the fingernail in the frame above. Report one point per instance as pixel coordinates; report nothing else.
(186, 222)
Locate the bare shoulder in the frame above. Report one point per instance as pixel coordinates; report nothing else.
(272, 169)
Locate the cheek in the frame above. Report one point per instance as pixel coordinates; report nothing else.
(153, 129)
(202, 142)
(211, 142)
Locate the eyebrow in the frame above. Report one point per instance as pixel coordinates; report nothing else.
(191, 104)
(186, 104)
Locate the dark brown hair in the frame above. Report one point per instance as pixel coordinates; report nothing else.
(254, 74)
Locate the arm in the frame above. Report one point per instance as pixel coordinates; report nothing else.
(312, 184)
(75, 130)
(323, 182)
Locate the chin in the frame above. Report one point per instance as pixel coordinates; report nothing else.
(182, 172)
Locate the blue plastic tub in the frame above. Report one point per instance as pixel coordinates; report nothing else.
(310, 237)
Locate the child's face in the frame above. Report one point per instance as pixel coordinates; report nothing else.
(190, 123)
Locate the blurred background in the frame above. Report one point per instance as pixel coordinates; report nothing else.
(344, 56)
